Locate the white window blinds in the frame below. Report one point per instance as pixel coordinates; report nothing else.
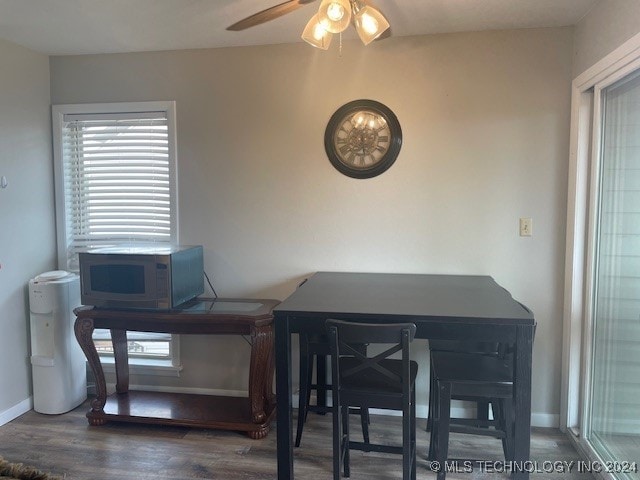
(118, 182)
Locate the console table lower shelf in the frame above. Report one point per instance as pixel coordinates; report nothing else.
(182, 409)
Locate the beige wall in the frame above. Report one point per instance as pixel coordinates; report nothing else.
(485, 118)
(27, 235)
(607, 26)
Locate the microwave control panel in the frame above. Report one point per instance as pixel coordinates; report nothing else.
(162, 274)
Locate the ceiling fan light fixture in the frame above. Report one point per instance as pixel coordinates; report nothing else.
(370, 24)
(335, 15)
(315, 34)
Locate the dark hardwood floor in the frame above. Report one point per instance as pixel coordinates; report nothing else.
(67, 445)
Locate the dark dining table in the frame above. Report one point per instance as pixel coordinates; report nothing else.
(452, 307)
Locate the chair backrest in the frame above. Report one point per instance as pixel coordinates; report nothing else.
(470, 346)
(344, 338)
(467, 346)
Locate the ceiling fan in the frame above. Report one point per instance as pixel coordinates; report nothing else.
(334, 16)
(268, 14)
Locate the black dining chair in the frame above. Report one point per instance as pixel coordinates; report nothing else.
(313, 350)
(482, 404)
(366, 380)
(471, 375)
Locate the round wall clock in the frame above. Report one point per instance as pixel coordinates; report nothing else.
(363, 138)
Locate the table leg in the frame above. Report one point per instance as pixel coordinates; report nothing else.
(522, 399)
(121, 359)
(83, 329)
(283, 398)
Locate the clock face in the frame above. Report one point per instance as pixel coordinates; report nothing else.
(363, 138)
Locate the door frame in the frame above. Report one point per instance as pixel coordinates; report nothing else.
(582, 211)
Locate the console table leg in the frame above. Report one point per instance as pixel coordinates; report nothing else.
(269, 394)
(83, 329)
(121, 359)
(260, 433)
(261, 354)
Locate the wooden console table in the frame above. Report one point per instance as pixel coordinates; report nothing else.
(252, 414)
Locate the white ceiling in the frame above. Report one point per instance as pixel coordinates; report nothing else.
(67, 27)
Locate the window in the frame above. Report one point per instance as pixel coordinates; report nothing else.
(614, 407)
(116, 183)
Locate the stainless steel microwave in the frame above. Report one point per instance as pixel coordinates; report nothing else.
(141, 277)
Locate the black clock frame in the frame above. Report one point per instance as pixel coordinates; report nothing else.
(387, 159)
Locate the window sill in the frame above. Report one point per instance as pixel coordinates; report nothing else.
(144, 366)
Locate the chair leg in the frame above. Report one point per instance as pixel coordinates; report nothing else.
(337, 440)
(345, 434)
(412, 426)
(433, 427)
(364, 421)
(309, 387)
(304, 394)
(432, 392)
(443, 420)
(482, 410)
(406, 442)
(507, 425)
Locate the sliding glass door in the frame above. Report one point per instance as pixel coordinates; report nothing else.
(613, 396)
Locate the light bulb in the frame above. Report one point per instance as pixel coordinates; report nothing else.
(369, 24)
(314, 34)
(334, 15)
(335, 11)
(318, 32)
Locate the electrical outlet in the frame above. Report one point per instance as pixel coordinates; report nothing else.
(526, 227)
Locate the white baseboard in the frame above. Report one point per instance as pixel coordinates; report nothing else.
(15, 411)
(548, 420)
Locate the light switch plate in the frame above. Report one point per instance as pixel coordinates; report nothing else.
(526, 227)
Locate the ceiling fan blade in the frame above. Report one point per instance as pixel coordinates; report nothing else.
(268, 14)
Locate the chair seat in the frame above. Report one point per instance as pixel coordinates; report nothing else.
(370, 380)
